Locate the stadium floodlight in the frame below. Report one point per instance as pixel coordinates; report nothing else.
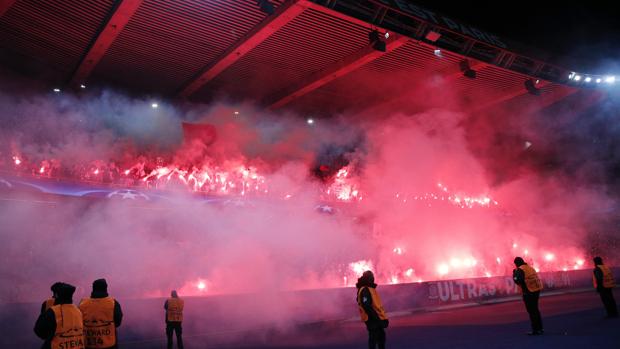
(610, 79)
(577, 77)
(531, 88)
(154, 105)
(82, 86)
(466, 69)
(310, 121)
(598, 80)
(376, 40)
(56, 90)
(587, 79)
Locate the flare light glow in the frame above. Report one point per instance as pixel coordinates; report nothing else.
(239, 178)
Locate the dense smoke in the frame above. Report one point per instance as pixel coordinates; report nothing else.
(416, 196)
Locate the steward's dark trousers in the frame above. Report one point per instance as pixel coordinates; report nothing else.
(376, 338)
(174, 327)
(531, 304)
(607, 296)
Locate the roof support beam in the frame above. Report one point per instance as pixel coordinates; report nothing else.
(118, 18)
(5, 5)
(447, 76)
(507, 96)
(283, 15)
(334, 71)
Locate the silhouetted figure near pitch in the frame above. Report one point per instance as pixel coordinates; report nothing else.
(102, 315)
(527, 278)
(48, 303)
(174, 318)
(604, 282)
(61, 325)
(371, 310)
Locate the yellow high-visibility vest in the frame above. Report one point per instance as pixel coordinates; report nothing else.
(174, 312)
(608, 277)
(376, 304)
(532, 281)
(69, 328)
(99, 327)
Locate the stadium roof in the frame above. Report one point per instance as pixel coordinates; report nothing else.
(306, 56)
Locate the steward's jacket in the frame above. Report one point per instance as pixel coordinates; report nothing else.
(174, 310)
(101, 317)
(370, 307)
(603, 277)
(60, 325)
(527, 278)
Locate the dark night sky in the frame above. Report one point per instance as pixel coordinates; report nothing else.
(579, 35)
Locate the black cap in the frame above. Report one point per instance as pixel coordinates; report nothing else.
(519, 261)
(56, 286)
(100, 285)
(369, 275)
(65, 293)
(598, 260)
(367, 279)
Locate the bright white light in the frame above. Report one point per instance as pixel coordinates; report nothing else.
(443, 269)
(469, 262)
(310, 121)
(580, 262)
(487, 274)
(201, 285)
(577, 77)
(537, 81)
(499, 261)
(455, 262)
(437, 52)
(598, 81)
(549, 256)
(360, 267)
(82, 86)
(154, 105)
(610, 79)
(526, 252)
(587, 79)
(409, 272)
(56, 90)
(387, 35)
(398, 250)
(514, 245)
(236, 113)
